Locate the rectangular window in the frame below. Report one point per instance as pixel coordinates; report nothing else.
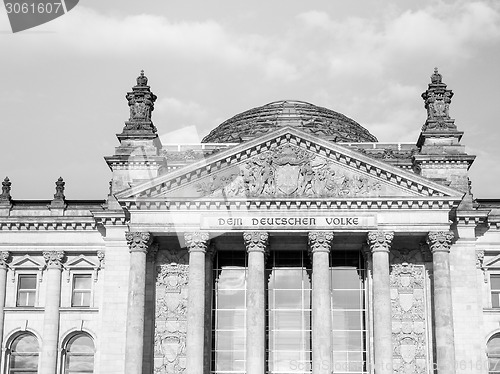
(82, 290)
(495, 290)
(26, 290)
(348, 312)
(289, 312)
(229, 313)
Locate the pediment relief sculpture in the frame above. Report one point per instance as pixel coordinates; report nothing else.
(291, 171)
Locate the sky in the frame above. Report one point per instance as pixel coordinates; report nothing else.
(63, 86)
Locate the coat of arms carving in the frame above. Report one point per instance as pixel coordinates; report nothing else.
(289, 171)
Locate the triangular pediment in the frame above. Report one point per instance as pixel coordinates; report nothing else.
(27, 262)
(81, 262)
(288, 164)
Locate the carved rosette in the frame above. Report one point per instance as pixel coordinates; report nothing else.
(53, 259)
(256, 241)
(139, 241)
(4, 259)
(171, 312)
(320, 241)
(196, 241)
(409, 336)
(380, 241)
(440, 241)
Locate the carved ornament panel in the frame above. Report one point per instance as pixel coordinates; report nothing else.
(171, 312)
(409, 325)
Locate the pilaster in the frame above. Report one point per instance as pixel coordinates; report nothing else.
(4, 258)
(53, 260)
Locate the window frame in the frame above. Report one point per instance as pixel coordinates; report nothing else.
(19, 275)
(65, 354)
(90, 275)
(9, 353)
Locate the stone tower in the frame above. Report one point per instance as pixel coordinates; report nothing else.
(137, 158)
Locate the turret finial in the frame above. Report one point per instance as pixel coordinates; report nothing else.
(59, 195)
(141, 103)
(437, 100)
(5, 195)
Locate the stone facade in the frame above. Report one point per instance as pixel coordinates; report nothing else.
(142, 277)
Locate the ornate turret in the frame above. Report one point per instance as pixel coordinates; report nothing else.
(58, 204)
(437, 101)
(5, 196)
(137, 157)
(141, 102)
(441, 157)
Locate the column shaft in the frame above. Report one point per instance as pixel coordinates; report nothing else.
(439, 243)
(139, 243)
(50, 338)
(382, 314)
(320, 243)
(197, 245)
(256, 243)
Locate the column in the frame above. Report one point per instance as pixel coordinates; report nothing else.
(439, 244)
(4, 256)
(209, 271)
(380, 244)
(319, 246)
(138, 243)
(50, 337)
(256, 244)
(196, 243)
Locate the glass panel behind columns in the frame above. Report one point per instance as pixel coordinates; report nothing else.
(229, 313)
(348, 312)
(289, 312)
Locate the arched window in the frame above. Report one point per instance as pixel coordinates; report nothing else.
(23, 354)
(79, 355)
(493, 352)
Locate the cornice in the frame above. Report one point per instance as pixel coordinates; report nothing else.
(446, 203)
(110, 218)
(57, 223)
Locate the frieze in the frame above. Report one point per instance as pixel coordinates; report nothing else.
(409, 324)
(289, 171)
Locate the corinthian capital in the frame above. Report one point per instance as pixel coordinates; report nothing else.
(139, 241)
(256, 241)
(380, 241)
(320, 241)
(439, 241)
(53, 259)
(4, 257)
(196, 241)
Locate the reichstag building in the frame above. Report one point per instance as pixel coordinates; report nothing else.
(288, 241)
